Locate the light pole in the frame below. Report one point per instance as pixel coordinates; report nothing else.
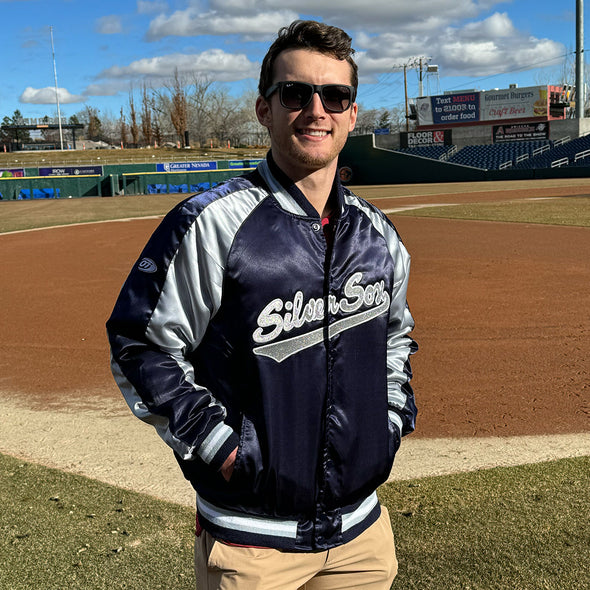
(61, 137)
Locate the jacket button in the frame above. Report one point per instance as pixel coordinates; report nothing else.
(316, 227)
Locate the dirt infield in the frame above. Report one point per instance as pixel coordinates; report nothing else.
(502, 314)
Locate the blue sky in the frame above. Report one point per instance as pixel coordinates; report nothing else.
(105, 48)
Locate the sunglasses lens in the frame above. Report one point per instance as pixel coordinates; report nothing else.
(295, 95)
(336, 98)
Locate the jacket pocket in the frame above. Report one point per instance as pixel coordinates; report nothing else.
(249, 469)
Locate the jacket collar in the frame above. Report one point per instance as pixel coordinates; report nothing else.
(289, 195)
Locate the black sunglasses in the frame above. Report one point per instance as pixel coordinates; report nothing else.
(336, 98)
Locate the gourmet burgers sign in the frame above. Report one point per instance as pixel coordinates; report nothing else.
(515, 103)
(492, 105)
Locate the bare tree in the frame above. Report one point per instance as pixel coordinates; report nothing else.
(161, 119)
(89, 116)
(146, 115)
(178, 106)
(208, 113)
(157, 133)
(199, 106)
(227, 116)
(133, 125)
(110, 127)
(365, 122)
(370, 119)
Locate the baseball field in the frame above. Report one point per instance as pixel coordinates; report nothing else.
(499, 292)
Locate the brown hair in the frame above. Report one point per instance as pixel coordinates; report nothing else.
(312, 35)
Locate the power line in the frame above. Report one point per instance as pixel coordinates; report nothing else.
(390, 82)
(521, 69)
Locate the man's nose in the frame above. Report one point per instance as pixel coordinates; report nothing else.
(316, 107)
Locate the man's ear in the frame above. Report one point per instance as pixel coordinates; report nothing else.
(353, 116)
(263, 112)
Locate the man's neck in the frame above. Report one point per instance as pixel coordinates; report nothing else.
(316, 185)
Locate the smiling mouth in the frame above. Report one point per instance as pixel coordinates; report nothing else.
(314, 132)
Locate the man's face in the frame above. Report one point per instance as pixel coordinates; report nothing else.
(311, 138)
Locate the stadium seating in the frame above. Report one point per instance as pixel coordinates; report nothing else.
(565, 151)
(489, 156)
(428, 151)
(498, 155)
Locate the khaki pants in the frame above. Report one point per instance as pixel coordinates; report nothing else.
(365, 563)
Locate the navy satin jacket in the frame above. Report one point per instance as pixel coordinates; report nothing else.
(239, 326)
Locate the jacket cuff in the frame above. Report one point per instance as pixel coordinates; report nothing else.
(224, 451)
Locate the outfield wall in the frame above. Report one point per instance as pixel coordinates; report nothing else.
(129, 179)
(362, 162)
(373, 165)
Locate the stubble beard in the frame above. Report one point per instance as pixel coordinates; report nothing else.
(313, 161)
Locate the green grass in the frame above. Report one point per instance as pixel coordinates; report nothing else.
(60, 531)
(573, 211)
(518, 528)
(20, 215)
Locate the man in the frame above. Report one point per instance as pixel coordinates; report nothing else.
(264, 333)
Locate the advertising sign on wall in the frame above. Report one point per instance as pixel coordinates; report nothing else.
(186, 166)
(520, 132)
(71, 171)
(422, 138)
(492, 105)
(243, 164)
(448, 109)
(514, 103)
(12, 173)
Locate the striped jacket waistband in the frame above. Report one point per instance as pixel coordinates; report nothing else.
(328, 530)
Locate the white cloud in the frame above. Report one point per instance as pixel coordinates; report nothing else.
(386, 33)
(263, 18)
(190, 22)
(149, 7)
(487, 47)
(496, 26)
(109, 25)
(110, 88)
(47, 96)
(377, 15)
(213, 63)
(461, 36)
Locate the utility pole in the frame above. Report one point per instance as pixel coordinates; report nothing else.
(406, 98)
(580, 83)
(413, 62)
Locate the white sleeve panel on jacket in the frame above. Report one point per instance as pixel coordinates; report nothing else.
(139, 409)
(400, 345)
(189, 298)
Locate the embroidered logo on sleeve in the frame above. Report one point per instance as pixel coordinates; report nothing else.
(147, 265)
(283, 316)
